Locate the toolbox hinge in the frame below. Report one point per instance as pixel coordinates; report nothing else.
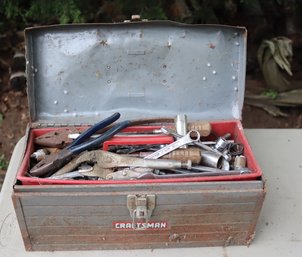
(140, 208)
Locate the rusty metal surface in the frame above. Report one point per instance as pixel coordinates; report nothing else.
(81, 73)
(57, 138)
(196, 214)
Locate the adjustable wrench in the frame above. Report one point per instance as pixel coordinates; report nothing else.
(190, 137)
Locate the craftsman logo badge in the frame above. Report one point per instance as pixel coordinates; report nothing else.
(150, 225)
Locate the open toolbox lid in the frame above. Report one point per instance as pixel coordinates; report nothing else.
(79, 74)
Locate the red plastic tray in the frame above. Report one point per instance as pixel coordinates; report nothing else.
(219, 128)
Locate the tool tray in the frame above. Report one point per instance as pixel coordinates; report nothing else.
(80, 74)
(219, 128)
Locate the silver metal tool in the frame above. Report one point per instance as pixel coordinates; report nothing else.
(39, 154)
(83, 171)
(218, 172)
(203, 146)
(222, 143)
(105, 160)
(128, 173)
(190, 137)
(240, 162)
(181, 126)
(211, 159)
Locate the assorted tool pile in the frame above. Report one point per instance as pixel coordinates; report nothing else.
(137, 149)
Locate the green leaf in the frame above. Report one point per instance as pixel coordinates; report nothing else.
(1, 118)
(3, 162)
(273, 94)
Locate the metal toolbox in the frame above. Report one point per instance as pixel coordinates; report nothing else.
(79, 74)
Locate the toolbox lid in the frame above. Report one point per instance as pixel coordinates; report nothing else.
(82, 73)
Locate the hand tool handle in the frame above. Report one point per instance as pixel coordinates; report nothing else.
(100, 139)
(89, 132)
(203, 127)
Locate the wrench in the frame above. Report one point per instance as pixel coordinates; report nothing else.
(203, 146)
(190, 137)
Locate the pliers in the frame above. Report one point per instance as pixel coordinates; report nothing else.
(55, 161)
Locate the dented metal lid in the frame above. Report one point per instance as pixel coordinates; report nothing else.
(82, 73)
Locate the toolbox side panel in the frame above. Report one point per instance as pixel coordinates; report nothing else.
(200, 214)
(21, 221)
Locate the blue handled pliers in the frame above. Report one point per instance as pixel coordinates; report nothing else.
(55, 161)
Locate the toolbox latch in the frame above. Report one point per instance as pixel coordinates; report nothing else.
(140, 208)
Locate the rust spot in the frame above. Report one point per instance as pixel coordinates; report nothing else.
(175, 238)
(211, 45)
(104, 43)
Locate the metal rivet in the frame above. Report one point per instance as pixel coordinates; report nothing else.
(237, 44)
(108, 67)
(108, 81)
(204, 78)
(65, 110)
(234, 77)
(65, 92)
(209, 64)
(97, 113)
(235, 34)
(75, 114)
(236, 89)
(109, 177)
(27, 62)
(214, 72)
(164, 81)
(36, 70)
(55, 102)
(124, 173)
